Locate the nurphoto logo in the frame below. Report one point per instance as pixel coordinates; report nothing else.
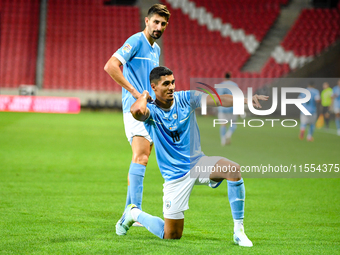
(238, 104)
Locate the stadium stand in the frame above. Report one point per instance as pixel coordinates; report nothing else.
(81, 36)
(204, 39)
(199, 46)
(255, 17)
(313, 32)
(273, 69)
(19, 38)
(190, 50)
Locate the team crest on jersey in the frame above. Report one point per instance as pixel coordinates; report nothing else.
(174, 116)
(167, 204)
(126, 48)
(173, 127)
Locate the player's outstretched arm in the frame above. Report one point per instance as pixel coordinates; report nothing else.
(139, 110)
(227, 100)
(112, 68)
(256, 99)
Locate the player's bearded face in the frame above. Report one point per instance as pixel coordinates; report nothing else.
(156, 26)
(156, 34)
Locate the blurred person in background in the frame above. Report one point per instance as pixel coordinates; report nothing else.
(336, 98)
(226, 113)
(326, 101)
(311, 106)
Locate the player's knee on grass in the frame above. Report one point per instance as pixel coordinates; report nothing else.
(173, 228)
(173, 234)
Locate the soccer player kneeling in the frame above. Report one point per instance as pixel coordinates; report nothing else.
(171, 122)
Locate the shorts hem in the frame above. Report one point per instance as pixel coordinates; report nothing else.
(175, 216)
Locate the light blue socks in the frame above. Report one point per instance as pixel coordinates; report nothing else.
(337, 123)
(223, 130)
(236, 195)
(311, 129)
(152, 223)
(135, 190)
(232, 128)
(128, 198)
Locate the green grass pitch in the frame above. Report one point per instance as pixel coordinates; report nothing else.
(63, 187)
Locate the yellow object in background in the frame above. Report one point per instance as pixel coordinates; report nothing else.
(320, 122)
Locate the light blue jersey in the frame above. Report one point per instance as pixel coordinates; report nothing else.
(175, 134)
(225, 91)
(139, 58)
(311, 104)
(336, 94)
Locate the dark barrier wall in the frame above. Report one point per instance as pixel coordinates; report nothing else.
(325, 3)
(120, 2)
(327, 65)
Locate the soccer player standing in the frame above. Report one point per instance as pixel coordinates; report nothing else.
(226, 113)
(139, 55)
(171, 122)
(326, 101)
(336, 98)
(311, 106)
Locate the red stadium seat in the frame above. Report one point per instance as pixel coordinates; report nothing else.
(315, 29)
(19, 42)
(253, 16)
(81, 37)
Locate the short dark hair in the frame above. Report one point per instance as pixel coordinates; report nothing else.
(158, 72)
(227, 75)
(159, 9)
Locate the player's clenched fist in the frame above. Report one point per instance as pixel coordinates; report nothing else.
(147, 96)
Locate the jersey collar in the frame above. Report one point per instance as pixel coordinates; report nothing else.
(168, 109)
(153, 46)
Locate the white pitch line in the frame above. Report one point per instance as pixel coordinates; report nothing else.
(327, 131)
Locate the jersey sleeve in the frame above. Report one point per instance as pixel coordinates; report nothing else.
(128, 50)
(193, 98)
(317, 95)
(151, 113)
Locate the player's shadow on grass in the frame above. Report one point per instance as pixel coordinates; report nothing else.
(198, 238)
(185, 238)
(68, 239)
